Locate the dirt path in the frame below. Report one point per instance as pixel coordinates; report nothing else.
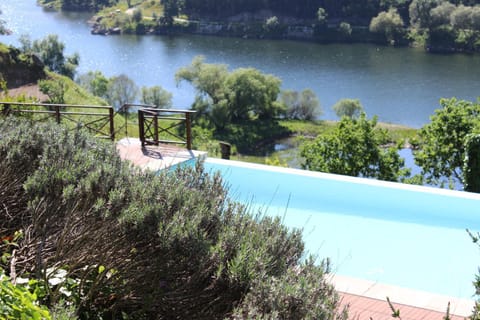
(29, 91)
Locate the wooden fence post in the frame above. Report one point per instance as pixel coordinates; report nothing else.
(188, 126)
(111, 115)
(141, 127)
(155, 129)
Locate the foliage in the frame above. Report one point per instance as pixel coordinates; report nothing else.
(17, 302)
(322, 17)
(250, 94)
(171, 9)
(156, 96)
(350, 108)
(355, 148)
(440, 15)
(471, 166)
(272, 25)
(19, 68)
(388, 23)
(345, 29)
(231, 102)
(167, 245)
(300, 106)
(51, 51)
(95, 82)
(460, 18)
(82, 5)
(121, 90)
(420, 12)
(3, 28)
(54, 89)
(442, 141)
(289, 296)
(226, 97)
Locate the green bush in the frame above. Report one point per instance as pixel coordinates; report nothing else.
(166, 245)
(17, 302)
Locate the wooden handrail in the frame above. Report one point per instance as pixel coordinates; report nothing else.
(59, 112)
(149, 131)
(149, 119)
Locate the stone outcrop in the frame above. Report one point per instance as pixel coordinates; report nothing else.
(18, 69)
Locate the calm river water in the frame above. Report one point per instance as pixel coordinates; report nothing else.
(400, 85)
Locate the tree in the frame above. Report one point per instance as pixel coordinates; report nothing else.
(3, 29)
(51, 51)
(350, 108)
(54, 89)
(441, 151)
(301, 106)
(223, 96)
(322, 16)
(441, 15)
(95, 82)
(171, 9)
(272, 25)
(251, 94)
(461, 18)
(419, 11)
(388, 23)
(137, 15)
(471, 166)
(354, 148)
(345, 29)
(121, 90)
(208, 80)
(475, 15)
(157, 96)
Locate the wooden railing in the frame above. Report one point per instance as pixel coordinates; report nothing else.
(154, 125)
(100, 120)
(151, 131)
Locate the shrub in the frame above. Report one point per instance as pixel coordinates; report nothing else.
(168, 245)
(17, 302)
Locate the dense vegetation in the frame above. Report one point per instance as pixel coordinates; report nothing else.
(356, 147)
(144, 245)
(438, 25)
(17, 68)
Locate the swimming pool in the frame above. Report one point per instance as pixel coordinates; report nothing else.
(402, 235)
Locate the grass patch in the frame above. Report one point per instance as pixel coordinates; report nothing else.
(311, 129)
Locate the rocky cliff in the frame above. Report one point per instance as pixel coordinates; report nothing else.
(18, 69)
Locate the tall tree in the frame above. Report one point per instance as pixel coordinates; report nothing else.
(95, 82)
(3, 29)
(300, 105)
(252, 94)
(350, 108)
(121, 90)
(243, 94)
(51, 51)
(442, 141)
(441, 15)
(354, 148)
(157, 96)
(420, 12)
(388, 23)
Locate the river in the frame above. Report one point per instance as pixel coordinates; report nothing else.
(400, 85)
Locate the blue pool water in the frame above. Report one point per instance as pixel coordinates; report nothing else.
(408, 236)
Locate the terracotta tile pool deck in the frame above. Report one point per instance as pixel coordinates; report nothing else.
(366, 300)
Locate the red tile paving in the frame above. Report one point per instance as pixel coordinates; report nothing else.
(363, 308)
